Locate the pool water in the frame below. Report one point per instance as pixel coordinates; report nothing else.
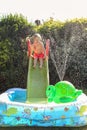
(20, 95)
(17, 95)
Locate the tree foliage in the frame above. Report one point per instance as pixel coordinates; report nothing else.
(13, 60)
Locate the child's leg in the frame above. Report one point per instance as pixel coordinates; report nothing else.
(41, 62)
(35, 62)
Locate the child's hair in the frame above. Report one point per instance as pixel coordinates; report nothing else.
(37, 35)
(34, 36)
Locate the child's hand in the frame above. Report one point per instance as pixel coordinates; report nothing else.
(31, 55)
(46, 58)
(48, 41)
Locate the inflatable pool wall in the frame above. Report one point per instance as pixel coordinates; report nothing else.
(14, 111)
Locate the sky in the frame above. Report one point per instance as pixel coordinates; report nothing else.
(44, 9)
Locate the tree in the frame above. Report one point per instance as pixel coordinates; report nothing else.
(13, 60)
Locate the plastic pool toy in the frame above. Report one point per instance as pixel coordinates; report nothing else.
(63, 91)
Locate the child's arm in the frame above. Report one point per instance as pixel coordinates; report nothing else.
(28, 46)
(32, 49)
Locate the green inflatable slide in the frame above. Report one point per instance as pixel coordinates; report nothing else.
(37, 82)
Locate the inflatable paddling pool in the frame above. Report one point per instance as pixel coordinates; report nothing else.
(42, 104)
(15, 111)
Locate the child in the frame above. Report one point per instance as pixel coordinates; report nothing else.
(37, 49)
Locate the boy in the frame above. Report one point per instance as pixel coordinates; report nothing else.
(37, 50)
